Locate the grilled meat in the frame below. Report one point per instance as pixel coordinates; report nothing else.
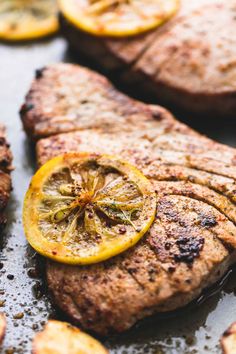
(5, 153)
(189, 62)
(193, 239)
(65, 98)
(5, 168)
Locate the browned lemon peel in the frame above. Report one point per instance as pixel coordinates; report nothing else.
(84, 208)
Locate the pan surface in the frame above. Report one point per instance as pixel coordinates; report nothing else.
(23, 294)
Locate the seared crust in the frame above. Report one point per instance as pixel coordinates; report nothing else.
(5, 153)
(5, 179)
(188, 63)
(193, 239)
(196, 66)
(66, 98)
(180, 256)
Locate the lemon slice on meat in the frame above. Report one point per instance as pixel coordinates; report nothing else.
(85, 208)
(117, 18)
(27, 19)
(62, 338)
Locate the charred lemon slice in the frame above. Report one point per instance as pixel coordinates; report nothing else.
(62, 338)
(117, 18)
(27, 19)
(85, 208)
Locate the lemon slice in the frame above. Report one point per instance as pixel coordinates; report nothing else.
(228, 340)
(117, 18)
(27, 19)
(2, 327)
(62, 338)
(85, 208)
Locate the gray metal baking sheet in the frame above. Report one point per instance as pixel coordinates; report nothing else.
(23, 294)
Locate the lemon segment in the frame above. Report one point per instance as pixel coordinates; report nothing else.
(27, 19)
(84, 208)
(3, 324)
(117, 18)
(62, 338)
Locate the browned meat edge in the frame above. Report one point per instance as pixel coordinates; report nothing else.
(5, 179)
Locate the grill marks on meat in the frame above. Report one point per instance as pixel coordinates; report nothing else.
(190, 62)
(193, 239)
(66, 99)
(200, 193)
(148, 277)
(5, 180)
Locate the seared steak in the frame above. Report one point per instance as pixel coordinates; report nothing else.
(65, 98)
(190, 62)
(193, 239)
(5, 168)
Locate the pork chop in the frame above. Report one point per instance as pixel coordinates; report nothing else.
(189, 63)
(5, 168)
(192, 242)
(66, 98)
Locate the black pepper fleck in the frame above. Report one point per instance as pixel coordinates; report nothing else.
(10, 276)
(122, 230)
(39, 73)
